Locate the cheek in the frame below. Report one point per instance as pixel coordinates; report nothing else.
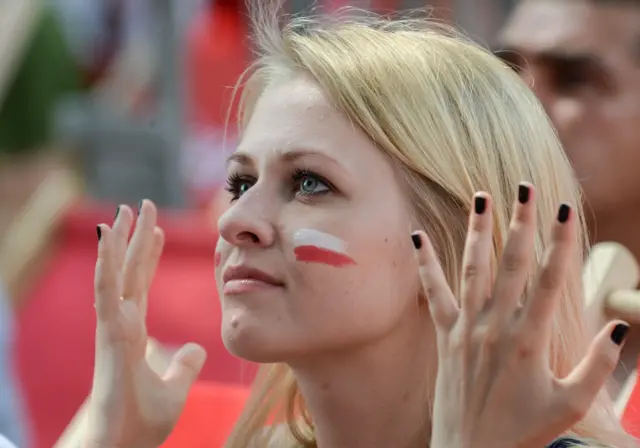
(217, 260)
(315, 246)
(368, 295)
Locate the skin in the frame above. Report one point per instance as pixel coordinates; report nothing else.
(381, 327)
(583, 62)
(330, 324)
(362, 344)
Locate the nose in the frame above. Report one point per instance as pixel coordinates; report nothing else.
(567, 114)
(248, 223)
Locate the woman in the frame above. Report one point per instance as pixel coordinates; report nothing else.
(354, 136)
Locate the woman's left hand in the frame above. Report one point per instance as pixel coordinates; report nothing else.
(494, 384)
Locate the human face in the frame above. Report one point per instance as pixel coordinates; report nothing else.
(583, 62)
(305, 179)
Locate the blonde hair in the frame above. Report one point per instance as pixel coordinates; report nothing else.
(454, 120)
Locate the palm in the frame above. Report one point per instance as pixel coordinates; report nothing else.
(494, 376)
(131, 404)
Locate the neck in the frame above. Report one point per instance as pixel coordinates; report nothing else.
(376, 396)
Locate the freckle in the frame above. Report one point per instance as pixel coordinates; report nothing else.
(325, 385)
(405, 396)
(395, 265)
(386, 240)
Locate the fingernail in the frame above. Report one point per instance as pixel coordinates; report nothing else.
(417, 241)
(524, 191)
(117, 213)
(480, 204)
(140, 206)
(99, 232)
(563, 213)
(619, 333)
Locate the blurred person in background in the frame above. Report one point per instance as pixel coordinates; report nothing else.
(217, 54)
(582, 59)
(12, 422)
(98, 30)
(46, 71)
(92, 30)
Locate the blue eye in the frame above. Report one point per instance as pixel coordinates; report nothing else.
(238, 185)
(310, 184)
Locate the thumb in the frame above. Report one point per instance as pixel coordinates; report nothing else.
(585, 382)
(185, 366)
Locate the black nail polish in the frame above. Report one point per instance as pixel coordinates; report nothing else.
(480, 204)
(619, 333)
(99, 232)
(523, 193)
(417, 241)
(140, 206)
(117, 213)
(563, 213)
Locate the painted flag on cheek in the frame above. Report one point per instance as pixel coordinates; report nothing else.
(314, 246)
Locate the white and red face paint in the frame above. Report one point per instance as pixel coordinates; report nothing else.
(313, 246)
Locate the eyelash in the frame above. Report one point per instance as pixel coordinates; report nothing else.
(235, 180)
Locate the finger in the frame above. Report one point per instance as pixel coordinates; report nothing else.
(106, 287)
(515, 264)
(477, 256)
(154, 257)
(583, 384)
(551, 279)
(152, 264)
(185, 367)
(121, 229)
(137, 256)
(442, 303)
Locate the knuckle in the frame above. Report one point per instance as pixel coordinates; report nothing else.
(470, 271)
(430, 291)
(524, 343)
(550, 280)
(513, 262)
(102, 286)
(477, 226)
(487, 338)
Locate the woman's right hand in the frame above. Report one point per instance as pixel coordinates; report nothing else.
(130, 404)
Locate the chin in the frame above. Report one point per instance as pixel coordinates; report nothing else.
(251, 340)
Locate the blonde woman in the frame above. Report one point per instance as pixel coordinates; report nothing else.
(385, 256)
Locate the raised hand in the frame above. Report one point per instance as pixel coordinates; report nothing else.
(131, 405)
(494, 383)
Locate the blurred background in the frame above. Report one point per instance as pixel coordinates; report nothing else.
(105, 102)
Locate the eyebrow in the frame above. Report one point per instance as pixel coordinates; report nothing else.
(555, 56)
(583, 59)
(243, 158)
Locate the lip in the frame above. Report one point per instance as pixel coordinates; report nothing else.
(243, 279)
